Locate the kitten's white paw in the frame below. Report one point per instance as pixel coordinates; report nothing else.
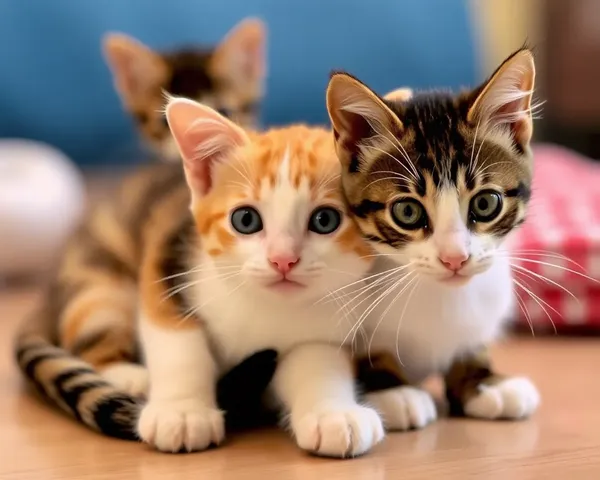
(172, 426)
(129, 377)
(403, 408)
(338, 432)
(513, 398)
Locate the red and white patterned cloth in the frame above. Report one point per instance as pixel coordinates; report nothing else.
(563, 221)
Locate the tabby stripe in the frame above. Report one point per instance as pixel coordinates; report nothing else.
(173, 262)
(366, 207)
(374, 238)
(71, 396)
(157, 191)
(522, 191)
(506, 223)
(32, 364)
(113, 417)
(392, 236)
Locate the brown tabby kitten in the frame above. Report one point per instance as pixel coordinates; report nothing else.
(436, 181)
(228, 77)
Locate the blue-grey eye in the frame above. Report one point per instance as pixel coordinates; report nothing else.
(485, 206)
(324, 220)
(409, 214)
(246, 220)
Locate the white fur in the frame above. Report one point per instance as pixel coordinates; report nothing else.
(132, 378)
(403, 408)
(316, 383)
(513, 399)
(242, 314)
(428, 322)
(431, 323)
(182, 411)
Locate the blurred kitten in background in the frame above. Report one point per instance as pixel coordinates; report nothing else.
(228, 77)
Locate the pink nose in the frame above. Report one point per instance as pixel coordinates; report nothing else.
(454, 262)
(284, 263)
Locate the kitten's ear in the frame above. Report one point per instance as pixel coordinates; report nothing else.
(505, 99)
(241, 57)
(399, 95)
(134, 66)
(203, 138)
(357, 114)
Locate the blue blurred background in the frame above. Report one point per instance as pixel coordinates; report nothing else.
(55, 86)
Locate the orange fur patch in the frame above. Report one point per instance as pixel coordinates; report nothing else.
(311, 160)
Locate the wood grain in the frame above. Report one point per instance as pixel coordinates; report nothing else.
(561, 441)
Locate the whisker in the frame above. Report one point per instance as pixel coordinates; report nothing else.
(373, 147)
(376, 286)
(471, 164)
(195, 270)
(539, 301)
(382, 297)
(542, 253)
(180, 288)
(544, 278)
(411, 293)
(396, 143)
(378, 180)
(525, 312)
(364, 279)
(481, 171)
(388, 308)
(479, 150)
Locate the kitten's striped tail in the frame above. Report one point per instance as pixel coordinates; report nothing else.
(73, 385)
(78, 389)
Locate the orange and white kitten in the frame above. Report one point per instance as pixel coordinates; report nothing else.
(266, 239)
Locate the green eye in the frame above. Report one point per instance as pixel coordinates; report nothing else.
(485, 206)
(246, 220)
(409, 214)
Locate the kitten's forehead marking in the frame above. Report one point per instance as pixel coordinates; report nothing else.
(283, 173)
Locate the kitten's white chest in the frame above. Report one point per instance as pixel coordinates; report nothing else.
(430, 325)
(241, 323)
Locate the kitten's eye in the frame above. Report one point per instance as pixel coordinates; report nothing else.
(324, 220)
(409, 214)
(485, 206)
(246, 220)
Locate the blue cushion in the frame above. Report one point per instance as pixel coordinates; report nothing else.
(55, 87)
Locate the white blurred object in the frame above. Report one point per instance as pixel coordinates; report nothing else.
(42, 198)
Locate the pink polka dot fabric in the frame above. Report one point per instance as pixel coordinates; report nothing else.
(556, 253)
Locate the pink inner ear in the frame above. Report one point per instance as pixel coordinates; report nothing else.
(203, 137)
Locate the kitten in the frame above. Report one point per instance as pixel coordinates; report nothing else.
(247, 237)
(436, 182)
(266, 239)
(79, 347)
(229, 77)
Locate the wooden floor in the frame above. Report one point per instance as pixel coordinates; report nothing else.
(562, 441)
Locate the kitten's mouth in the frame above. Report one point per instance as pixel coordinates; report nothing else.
(286, 285)
(455, 279)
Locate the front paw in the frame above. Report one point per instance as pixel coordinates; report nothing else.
(338, 432)
(403, 408)
(176, 425)
(512, 398)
